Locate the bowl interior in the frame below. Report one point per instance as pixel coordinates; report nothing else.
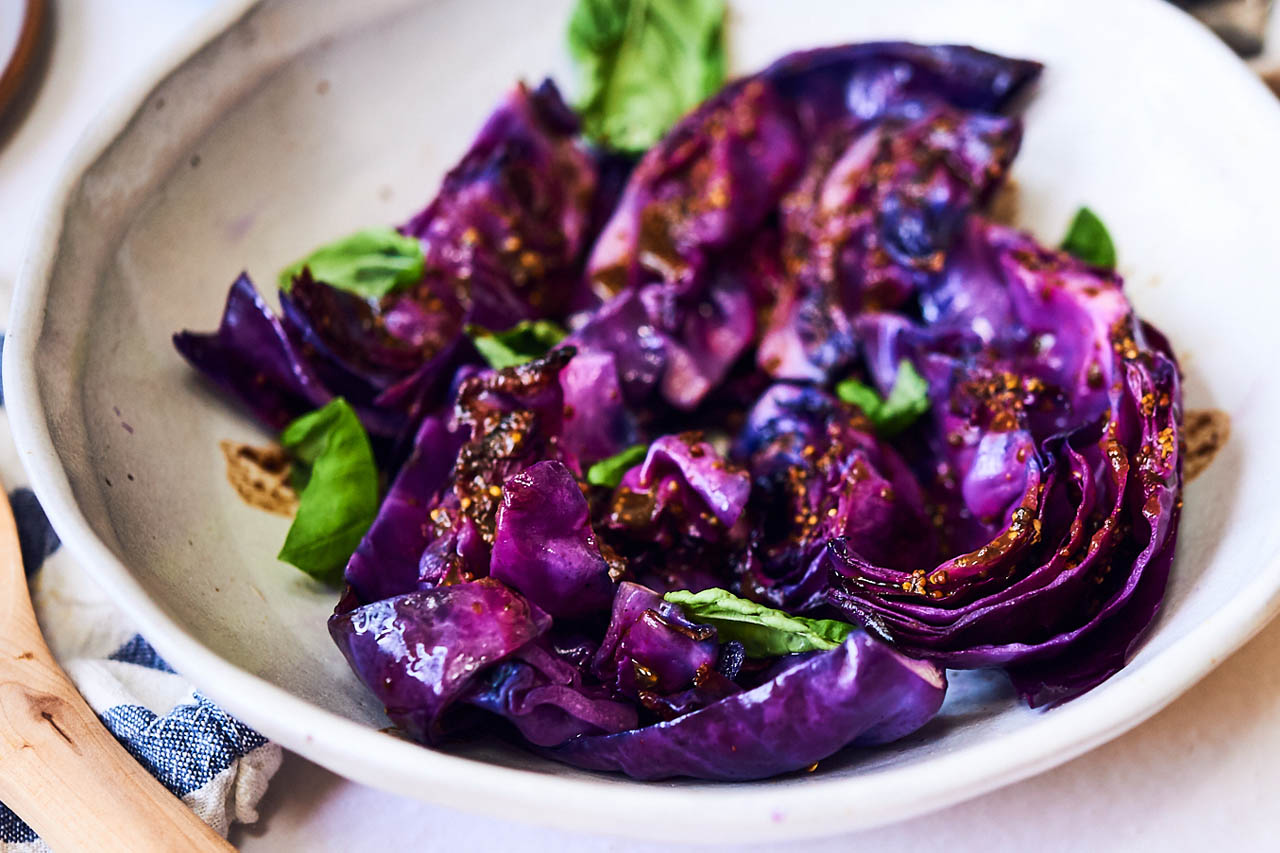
(301, 123)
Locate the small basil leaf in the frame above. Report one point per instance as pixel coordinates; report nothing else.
(907, 401)
(523, 342)
(1088, 240)
(861, 395)
(369, 263)
(642, 64)
(608, 472)
(763, 631)
(340, 496)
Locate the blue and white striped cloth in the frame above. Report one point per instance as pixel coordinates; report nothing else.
(216, 764)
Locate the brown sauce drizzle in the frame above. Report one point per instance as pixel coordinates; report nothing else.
(1205, 431)
(260, 476)
(1005, 203)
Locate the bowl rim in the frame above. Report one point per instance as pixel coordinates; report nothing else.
(723, 812)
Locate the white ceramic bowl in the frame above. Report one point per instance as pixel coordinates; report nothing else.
(282, 124)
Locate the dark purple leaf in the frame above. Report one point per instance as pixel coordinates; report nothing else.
(421, 651)
(860, 693)
(544, 546)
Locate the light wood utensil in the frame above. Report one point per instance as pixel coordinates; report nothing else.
(60, 770)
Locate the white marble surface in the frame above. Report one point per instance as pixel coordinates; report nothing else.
(1202, 774)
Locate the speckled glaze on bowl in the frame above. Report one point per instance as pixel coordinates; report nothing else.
(280, 124)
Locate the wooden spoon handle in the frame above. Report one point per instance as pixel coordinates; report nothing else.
(60, 770)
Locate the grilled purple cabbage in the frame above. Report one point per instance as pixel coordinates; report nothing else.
(860, 693)
(421, 651)
(543, 544)
(820, 221)
(503, 241)
(1057, 474)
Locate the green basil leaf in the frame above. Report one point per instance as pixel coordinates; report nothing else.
(340, 498)
(861, 395)
(642, 64)
(907, 401)
(523, 342)
(1088, 240)
(763, 631)
(608, 472)
(369, 263)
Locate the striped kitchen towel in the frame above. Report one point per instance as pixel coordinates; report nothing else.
(216, 764)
